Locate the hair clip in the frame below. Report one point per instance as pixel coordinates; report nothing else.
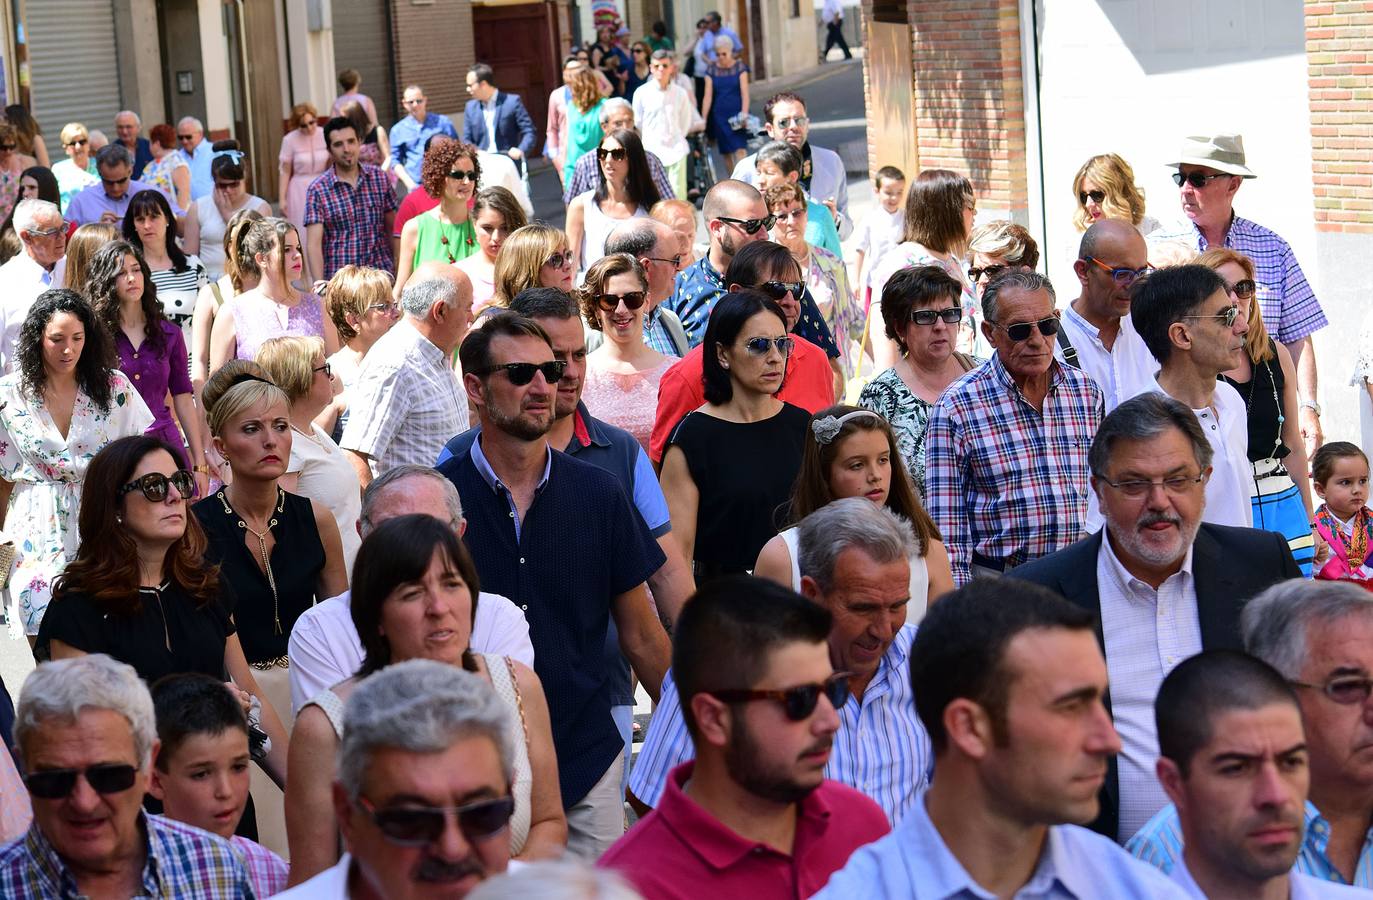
(827, 429)
(235, 155)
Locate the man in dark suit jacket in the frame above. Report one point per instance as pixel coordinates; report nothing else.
(513, 129)
(1164, 586)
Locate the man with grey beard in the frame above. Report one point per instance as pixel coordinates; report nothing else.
(1164, 585)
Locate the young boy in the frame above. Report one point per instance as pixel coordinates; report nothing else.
(779, 162)
(200, 771)
(881, 227)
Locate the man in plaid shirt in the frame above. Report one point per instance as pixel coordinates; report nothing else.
(1006, 453)
(349, 210)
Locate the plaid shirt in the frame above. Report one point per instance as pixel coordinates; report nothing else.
(266, 871)
(182, 861)
(584, 177)
(1289, 306)
(354, 219)
(1002, 479)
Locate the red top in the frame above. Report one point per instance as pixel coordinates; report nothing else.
(680, 851)
(416, 202)
(809, 384)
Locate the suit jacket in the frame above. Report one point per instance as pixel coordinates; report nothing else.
(1229, 566)
(514, 127)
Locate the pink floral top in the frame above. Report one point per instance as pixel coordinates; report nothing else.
(625, 401)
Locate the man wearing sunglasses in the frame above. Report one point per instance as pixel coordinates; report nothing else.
(423, 794)
(1006, 476)
(1319, 636)
(1010, 684)
(43, 239)
(198, 153)
(1210, 170)
(753, 815)
(108, 200)
(86, 734)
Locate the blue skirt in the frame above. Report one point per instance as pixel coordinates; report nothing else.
(1278, 507)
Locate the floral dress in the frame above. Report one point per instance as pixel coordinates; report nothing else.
(909, 416)
(828, 282)
(47, 470)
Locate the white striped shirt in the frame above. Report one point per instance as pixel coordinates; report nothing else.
(881, 748)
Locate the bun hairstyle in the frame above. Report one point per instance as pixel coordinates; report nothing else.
(227, 163)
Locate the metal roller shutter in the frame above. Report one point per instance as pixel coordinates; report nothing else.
(73, 65)
(362, 41)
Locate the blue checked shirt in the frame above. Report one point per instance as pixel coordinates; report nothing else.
(881, 748)
(657, 337)
(1289, 306)
(1002, 479)
(1159, 843)
(182, 861)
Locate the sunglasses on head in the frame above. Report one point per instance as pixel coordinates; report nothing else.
(617, 154)
(463, 176)
(154, 485)
(1227, 316)
(104, 778)
(521, 374)
(1197, 179)
(797, 702)
(1244, 289)
(759, 346)
(976, 272)
(1020, 331)
(778, 290)
(558, 260)
(951, 316)
(1097, 197)
(419, 826)
(750, 226)
(632, 300)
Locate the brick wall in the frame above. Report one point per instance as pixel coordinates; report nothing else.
(1339, 56)
(433, 48)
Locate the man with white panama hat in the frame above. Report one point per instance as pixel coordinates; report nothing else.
(1210, 169)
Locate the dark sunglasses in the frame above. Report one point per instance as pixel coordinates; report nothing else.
(115, 182)
(154, 485)
(951, 316)
(190, 137)
(225, 185)
(79, 142)
(419, 826)
(778, 290)
(975, 273)
(521, 374)
(618, 154)
(1121, 275)
(632, 300)
(1244, 289)
(1020, 331)
(8, 146)
(104, 778)
(1227, 316)
(1196, 179)
(463, 176)
(675, 261)
(750, 226)
(759, 346)
(797, 702)
(1096, 197)
(558, 260)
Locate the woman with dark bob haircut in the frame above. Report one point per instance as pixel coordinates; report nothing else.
(60, 406)
(730, 465)
(446, 232)
(415, 597)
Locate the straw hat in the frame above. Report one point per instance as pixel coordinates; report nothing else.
(1222, 152)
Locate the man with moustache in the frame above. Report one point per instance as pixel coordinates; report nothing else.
(1233, 757)
(1163, 585)
(753, 814)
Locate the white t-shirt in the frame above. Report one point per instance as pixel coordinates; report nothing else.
(877, 232)
(1226, 424)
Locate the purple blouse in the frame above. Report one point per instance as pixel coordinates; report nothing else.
(256, 320)
(155, 373)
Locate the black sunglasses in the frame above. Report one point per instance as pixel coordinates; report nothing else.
(79, 142)
(618, 154)
(759, 346)
(676, 261)
(521, 374)
(1196, 179)
(952, 316)
(1020, 331)
(778, 290)
(154, 485)
(1096, 197)
(104, 778)
(419, 826)
(115, 182)
(632, 300)
(1244, 289)
(975, 273)
(463, 176)
(190, 137)
(750, 226)
(797, 702)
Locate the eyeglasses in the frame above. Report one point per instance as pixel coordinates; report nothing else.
(975, 273)
(521, 374)
(1096, 197)
(1020, 331)
(1121, 275)
(47, 232)
(750, 226)
(104, 778)
(8, 146)
(306, 123)
(389, 309)
(799, 213)
(632, 300)
(617, 154)
(1227, 316)
(79, 142)
(327, 369)
(796, 121)
(1244, 289)
(675, 261)
(419, 826)
(1177, 485)
(115, 182)
(951, 316)
(759, 346)
(778, 290)
(463, 176)
(1343, 689)
(558, 260)
(797, 702)
(154, 485)
(637, 50)
(1196, 179)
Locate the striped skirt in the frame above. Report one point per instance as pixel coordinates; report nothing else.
(1278, 506)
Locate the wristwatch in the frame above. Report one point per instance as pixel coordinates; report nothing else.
(1311, 405)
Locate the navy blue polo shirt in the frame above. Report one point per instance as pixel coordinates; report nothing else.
(580, 545)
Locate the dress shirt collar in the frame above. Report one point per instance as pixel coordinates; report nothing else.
(1081, 322)
(707, 271)
(1124, 580)
(892, 665)
(59, 880)
(25, 267)
(493, 480)
(1000, 374)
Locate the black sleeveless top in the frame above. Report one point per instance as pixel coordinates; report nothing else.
(297, 560)
(1262, 395)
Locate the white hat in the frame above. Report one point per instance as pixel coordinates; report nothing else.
(1222, 152)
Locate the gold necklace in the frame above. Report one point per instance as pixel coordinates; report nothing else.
(262, 547)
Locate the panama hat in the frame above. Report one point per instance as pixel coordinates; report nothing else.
(1222, 152)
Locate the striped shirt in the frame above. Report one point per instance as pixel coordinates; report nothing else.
(266, 871)
(1289, 306)
(1004, 480)
(182, 861)
(1159, 843)
(880, 749)
(177, 293)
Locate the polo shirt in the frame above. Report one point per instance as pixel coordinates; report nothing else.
(681, 850)
(408, 138)
(90, 203)
(578, 547)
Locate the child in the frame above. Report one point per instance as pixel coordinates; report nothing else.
(1339, 471)
(881, 228)
(200, 771)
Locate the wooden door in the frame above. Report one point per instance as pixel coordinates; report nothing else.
(521, 43)
(259, 66)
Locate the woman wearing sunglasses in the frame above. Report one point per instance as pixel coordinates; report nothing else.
(622, 374)
(358, 300)
(444, 233)
(302, 159)
(536, 255)
(58, 408)
(730, 465)
(1104, 188)
(921, 312)
(997, 246)
(496, 214)
(1280, 493)
(624, 190)
(208, 218)
(415, 592)
(77, 171)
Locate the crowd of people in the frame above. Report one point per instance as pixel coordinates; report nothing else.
(343, 538)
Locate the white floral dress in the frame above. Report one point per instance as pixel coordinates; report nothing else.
(48, 470)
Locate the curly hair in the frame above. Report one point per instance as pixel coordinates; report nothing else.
(97, 352)
(783, 193)
(1117, 180)
(604, 269)
(439, 159)
(105, 269)
(586, 90)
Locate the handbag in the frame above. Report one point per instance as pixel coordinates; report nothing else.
(7, 555)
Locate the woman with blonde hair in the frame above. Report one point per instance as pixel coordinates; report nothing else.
(77, 171)
(997, 246)
(536, 255)
(81, 249)
(358, 300)
(1105, 188)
